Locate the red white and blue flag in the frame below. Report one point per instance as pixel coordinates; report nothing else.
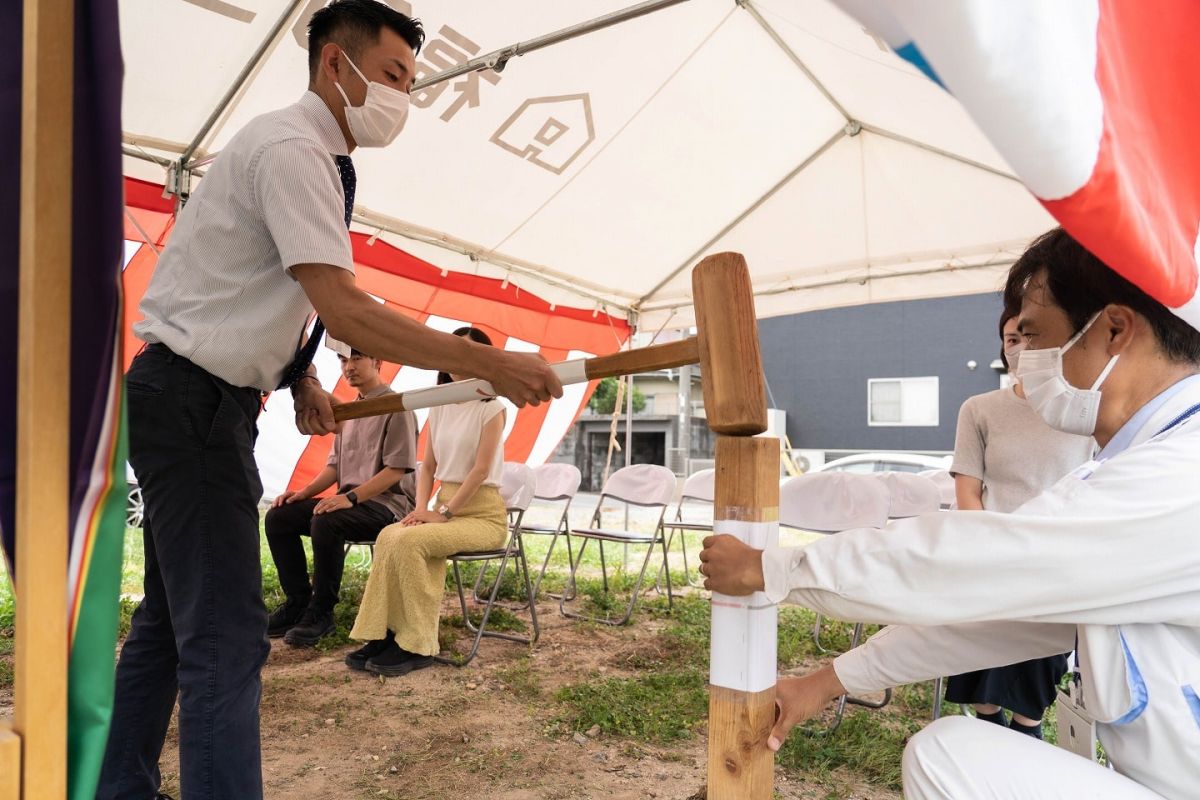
(1094, 103)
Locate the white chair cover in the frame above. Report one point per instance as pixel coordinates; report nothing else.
(557, 481)
(910, 494)
(701, 486)
(945, 484)
(517, 486)
(833, 501)
(644, 484)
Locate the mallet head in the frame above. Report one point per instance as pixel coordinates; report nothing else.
(735, 399)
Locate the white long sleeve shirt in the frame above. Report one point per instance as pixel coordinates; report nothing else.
(1111, 554)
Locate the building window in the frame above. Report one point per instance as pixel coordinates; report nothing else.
(902, 402)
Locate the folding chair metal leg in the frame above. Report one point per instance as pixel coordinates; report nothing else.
(479, 579)
(855, 641)
(571, 591)
(637, 588)
(481, 630)
(816, 634)
(603, 566)
(370, 551)
(938, 685)
(687, 573)
(666, 567)
(562, 531)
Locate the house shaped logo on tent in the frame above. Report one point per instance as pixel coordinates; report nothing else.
(550, 132)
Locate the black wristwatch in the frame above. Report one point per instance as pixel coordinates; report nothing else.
(352, 497)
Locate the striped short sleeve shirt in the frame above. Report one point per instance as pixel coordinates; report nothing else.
(222, 294)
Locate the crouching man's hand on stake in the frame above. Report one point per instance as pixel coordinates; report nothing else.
(731, 567)
(798, 699)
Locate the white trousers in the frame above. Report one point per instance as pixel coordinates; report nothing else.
(961, 758)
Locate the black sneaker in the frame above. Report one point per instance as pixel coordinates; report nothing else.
(358, 659)
(396, 661)
(285, 617)
(311, 627)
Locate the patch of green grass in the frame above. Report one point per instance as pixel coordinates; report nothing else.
(354, 582)
(659, 707)
(520, 680)
(500, 620)
(866, 744)
(6, 658)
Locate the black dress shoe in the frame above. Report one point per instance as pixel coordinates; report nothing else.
(311, 627)
(396, 661)
(285, 617)
(358, 659)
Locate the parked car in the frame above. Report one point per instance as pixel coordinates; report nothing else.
(864, 463)
(134, 508)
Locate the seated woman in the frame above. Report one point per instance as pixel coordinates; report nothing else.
(401, 606)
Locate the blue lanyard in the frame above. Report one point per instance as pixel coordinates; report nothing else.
(1184, 417)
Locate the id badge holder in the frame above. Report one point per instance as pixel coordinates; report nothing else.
(1076, 728)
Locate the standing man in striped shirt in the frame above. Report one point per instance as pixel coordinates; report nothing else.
(261, 243)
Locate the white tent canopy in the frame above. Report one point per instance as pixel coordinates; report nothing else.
(599, 170)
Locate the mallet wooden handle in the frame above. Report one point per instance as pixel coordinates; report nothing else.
(646, 359)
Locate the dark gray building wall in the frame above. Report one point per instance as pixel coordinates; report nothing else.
(818, 365)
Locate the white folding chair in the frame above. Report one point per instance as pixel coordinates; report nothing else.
(517, 488)
(945, 484)
(556, 483)
(698, 488)
(831, 502)
(644, 485)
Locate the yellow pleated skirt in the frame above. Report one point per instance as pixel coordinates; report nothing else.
(408, 574)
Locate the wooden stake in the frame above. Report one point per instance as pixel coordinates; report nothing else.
(43, 399)
(741, 706)
(10, 764)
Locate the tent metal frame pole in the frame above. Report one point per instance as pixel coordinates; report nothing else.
(240, 81)
(860, 279)
(824, 90)
(495, 60)
(498, 59)
(633, 328)
(43, 408)
(791, 54)
(970, 162)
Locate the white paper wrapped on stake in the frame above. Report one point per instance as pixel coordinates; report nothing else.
(744, 629)
(475, 389)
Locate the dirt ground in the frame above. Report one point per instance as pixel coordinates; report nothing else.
(484, 730)
(491, 729)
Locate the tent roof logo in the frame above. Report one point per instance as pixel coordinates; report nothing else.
(550, 132)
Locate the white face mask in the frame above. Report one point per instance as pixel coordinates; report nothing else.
(1061, 405)
(1013, 355)
(379, 120)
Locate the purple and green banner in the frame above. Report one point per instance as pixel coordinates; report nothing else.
(93, 217)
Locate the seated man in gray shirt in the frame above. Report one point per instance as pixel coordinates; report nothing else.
(372, 463)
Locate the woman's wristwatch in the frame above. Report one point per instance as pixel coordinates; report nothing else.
(445, 511)
(352, 497)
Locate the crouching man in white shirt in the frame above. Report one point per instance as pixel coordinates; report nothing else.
(1106, 561)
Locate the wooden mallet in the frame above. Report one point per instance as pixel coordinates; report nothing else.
(743, 661)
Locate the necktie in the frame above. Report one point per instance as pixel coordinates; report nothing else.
(304, 355)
